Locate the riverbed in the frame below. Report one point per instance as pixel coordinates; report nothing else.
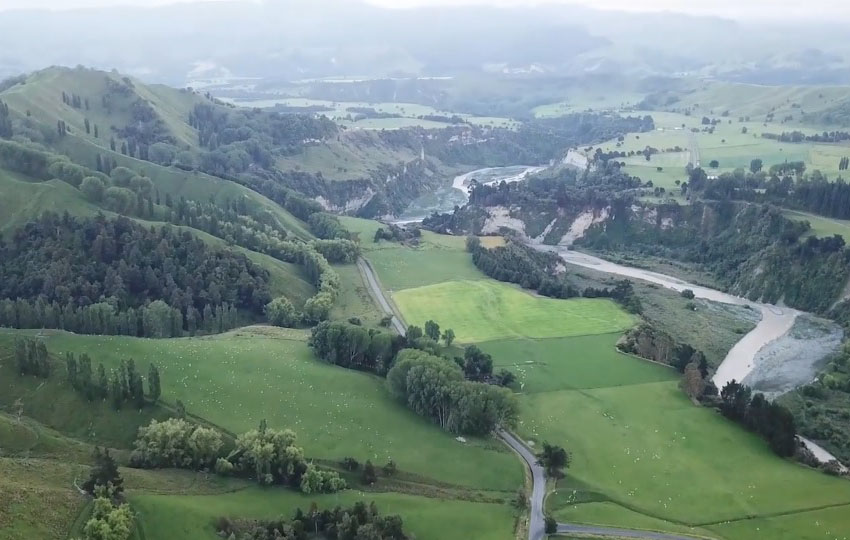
(784, 350)
(445, 199)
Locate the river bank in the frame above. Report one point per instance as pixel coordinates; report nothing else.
(781, 353)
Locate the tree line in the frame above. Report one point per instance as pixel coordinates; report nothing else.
(123, 384)
(771, 421)
(536, 270)
(357, 522)
(117, 277)
(268, 456)
(473, 401)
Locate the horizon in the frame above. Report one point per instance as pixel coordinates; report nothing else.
(763, 10)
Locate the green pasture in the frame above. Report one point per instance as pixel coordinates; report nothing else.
(648, 448)
(821, 226)
(193, 517)
(571, 363)
(409, 113)
(237, 379)
(486, 310)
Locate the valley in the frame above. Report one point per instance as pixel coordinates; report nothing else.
(332, 271)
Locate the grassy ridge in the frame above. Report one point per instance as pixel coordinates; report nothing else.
(237, 379)
(21, 200)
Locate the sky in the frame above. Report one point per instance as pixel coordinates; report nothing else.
(827, 9)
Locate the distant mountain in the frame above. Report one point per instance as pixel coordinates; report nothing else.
(298, 39)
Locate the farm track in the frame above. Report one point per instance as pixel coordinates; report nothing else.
(536, 525)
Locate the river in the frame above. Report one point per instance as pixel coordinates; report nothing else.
(757, 359)
(445, 199)
(741, 361)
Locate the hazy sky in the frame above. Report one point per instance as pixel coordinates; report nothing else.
(827, 9)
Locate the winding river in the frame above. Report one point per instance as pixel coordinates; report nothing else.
(776, 322)
(751, 355)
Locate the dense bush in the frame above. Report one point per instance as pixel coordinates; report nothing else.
(434, 387)
(112, 276)
(176, 443)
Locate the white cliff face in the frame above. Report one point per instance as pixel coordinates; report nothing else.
(582, 223)
(500, 216)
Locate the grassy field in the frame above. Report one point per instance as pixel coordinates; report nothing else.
(21, 200)
(438, 258)
(648, 448)
(192, 517)
(544, 365)
(410, 113)
(354, 299)
(822, 226)
(829, 523)
(728, 144)
(237, 379)
(612, 515)
(486, 310)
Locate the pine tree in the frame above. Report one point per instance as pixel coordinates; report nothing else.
(115, 391)
(42, 363)
(102, 382)
(88, 126)
(98, 159)
(112, 143)
(125, 380)
(95, 132)
(103, 473)
(71, 368)
(21, 356)
(153, 383)
(85, 377)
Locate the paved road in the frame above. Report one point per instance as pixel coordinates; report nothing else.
(536, 523)
(372, 280)
(694, 148)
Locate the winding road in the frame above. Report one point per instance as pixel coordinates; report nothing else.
(536, 522)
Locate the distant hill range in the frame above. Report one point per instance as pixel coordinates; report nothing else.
(299, 39)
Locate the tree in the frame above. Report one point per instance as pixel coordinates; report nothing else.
(714, 164)
(154, 388)
(93, 188)
(478, 365)
(553, 459)
(521, 500)
(688, 293)
(692, 381)
(108, 521)
(369, 476)
(448, 336)
(432, 330)
(756, 165)
(104, 473)
(551, 526)
(413, 333)
(389, 468)
(281, 312)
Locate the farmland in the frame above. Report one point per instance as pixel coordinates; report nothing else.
(485, 310)
(344, 112)
(235, 380)
(643, 455)
(192, 517)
